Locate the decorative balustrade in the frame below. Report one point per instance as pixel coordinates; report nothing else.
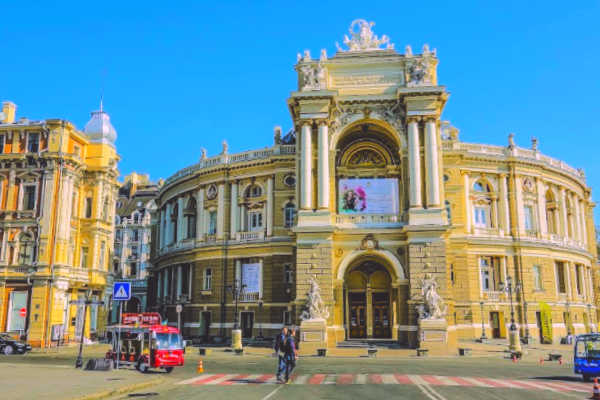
(249, 236)
(520, 152)
(246, 297)
(224, 159)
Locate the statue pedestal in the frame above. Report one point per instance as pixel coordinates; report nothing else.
(236, 339)
(433, 335)
(313, 336)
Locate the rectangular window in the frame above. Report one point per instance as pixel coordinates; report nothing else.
(288, 274)
(133, 270)
(88, 207)
(118, 235)
(33, 142)
(1, 143)
(560, 275)
(537, 277)
(486, 279)
(84, 257)
(133, 251)
(289, 215)
(212, 223)
(207, 279)
(136, 235)
(254, 221)
(29, 197)
(528, 215)
(578, 279)
(15, 322)
(102, 252)
(94, 315)
(287, 318)
(481, 217)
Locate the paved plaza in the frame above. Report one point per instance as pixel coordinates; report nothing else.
(398, 374)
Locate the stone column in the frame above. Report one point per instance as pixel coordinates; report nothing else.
(306, 168)
(541, 207)
(414, 164)
(323, 166)
(519, 201)
(234, 213)
(161, 230)
(169, 232)
(369, 311)
(179, 281)
(504, 208)
(180, 220)
(270, 208)
(563, 209)
(200, 214)
(221, 211)
(467, 186)
(432, 163)
(577, 232)
(584, 236)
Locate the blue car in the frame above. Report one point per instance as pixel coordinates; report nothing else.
(586, 356)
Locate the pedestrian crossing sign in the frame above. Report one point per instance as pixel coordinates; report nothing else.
(122, 291)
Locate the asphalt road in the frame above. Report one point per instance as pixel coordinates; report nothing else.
(230, 377)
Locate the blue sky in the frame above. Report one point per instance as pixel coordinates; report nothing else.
(180, 77)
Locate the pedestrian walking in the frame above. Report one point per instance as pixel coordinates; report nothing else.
(291, 354)
(280, 352)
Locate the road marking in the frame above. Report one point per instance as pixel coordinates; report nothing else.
(426, 383)
(272, 393)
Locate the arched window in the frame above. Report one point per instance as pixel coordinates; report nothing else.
(448, 212)
(288, 213)
(482, 205)
(136, 218)
(254, 191)
(190, 217)
(174, 215)
(551, 213)
(26, 249)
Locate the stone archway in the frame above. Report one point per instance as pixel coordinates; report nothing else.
(371, 282)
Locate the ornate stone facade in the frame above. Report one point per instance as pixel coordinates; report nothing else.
(58, 187)
(465, 216)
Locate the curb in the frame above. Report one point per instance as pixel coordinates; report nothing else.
(121, 390)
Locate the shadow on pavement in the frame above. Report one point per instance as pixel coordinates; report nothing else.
(559, 378)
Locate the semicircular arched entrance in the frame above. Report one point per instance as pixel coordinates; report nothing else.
(371, 298)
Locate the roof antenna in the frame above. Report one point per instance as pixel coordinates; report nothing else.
(102, 80)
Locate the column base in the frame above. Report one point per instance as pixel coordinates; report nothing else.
(425, 216)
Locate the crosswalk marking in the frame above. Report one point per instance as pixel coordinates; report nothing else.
(389, 379)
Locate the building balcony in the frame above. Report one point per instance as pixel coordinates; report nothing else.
(249, 297)
(250, 236)
(368, 220)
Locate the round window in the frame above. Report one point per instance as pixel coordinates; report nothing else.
(289, 180)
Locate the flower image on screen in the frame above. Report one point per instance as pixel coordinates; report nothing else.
(368, 196)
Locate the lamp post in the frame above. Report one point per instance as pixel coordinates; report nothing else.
(260, 331)
(181, 301)
(85, 302)
(236, 334)
(513, 335)
(483, 337)
(568, 319)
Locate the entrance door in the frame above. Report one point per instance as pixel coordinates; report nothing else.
(247, 324)
(495, 322)
(381, 316)
(205, 333)
(358, 320)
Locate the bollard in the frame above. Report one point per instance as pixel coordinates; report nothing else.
(200, 368)
(541, 360)
(596, 390)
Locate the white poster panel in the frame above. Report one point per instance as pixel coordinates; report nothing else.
(368, 196)
(251, 277)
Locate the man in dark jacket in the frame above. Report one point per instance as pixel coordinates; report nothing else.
(291, 354)
(280, 351)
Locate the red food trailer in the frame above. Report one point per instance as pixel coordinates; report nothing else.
(142, 342)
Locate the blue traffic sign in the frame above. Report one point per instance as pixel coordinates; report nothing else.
(122, 291)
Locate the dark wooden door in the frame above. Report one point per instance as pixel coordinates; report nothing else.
(381, 316)
(205, 325)
(247, 324)
(358, 315)
(495, 322)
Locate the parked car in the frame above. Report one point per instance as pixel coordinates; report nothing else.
(8, 345)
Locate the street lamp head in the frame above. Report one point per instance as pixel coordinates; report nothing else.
(509, 280)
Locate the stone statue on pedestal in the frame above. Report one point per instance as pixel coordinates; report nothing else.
(315, 309)
(434, 307)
